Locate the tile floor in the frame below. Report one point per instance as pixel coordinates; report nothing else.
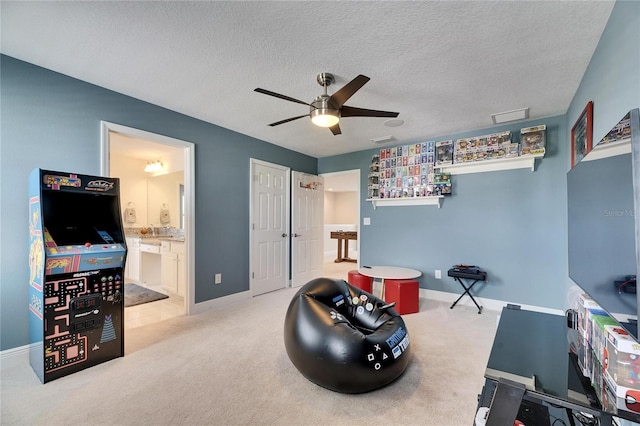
(153, 312)
(150, 313)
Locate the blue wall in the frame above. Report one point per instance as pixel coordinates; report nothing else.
(612, 79)
(511, 223)
(52, 121)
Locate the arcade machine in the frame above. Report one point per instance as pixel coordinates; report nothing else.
(76, 285)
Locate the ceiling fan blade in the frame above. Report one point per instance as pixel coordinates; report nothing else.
(348, 111)
(335, 130)
(287, 120)
(278, 95)
(342, 95)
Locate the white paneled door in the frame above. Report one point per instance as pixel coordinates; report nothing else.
(307, 218)
(269, 227)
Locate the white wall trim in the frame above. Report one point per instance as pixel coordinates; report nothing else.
(491, 304)
(20, 351)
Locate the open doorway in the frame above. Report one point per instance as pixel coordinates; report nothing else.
(158, 216)
(341, 213)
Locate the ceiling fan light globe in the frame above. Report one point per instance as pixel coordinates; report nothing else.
(324, 118)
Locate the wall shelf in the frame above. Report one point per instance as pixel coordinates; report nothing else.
(523, 162)
(414, 201)
(611, 149)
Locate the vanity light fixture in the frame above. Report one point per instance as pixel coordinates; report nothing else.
(153, 166)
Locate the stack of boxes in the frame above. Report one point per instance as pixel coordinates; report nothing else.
(609, 356)
(492, 147)
(589, 314)
(622, 369)
(487, 147)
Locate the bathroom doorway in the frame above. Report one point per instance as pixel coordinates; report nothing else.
(128, 151)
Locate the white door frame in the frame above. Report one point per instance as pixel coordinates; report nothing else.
(287, 212)
(189, 192)
(359, 185)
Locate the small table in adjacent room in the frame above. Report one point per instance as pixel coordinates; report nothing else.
(459, 273)
(343, 239)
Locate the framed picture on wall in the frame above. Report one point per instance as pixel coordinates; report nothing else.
(582, 135)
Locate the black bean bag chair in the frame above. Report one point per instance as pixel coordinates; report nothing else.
(343, 338)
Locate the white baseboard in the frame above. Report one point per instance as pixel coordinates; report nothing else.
(491, 304)
(20, 351)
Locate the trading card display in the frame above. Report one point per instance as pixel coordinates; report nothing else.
(76, 286)
(416, 170)
(409, 171)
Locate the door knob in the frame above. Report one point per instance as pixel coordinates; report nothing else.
(297, 235)
(284, 235)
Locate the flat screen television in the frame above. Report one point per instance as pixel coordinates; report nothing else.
(603, 194)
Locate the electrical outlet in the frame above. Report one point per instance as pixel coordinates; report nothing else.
(438, 274)
(217, 279)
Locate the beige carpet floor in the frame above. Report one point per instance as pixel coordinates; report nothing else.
(230, 367)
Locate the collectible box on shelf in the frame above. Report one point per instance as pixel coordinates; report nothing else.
(444, 153)
(620, 132)
(499, 139)
(462, 146)
(494, 153)
(622, 357)
(585, 357)
(442, 178)
(586, 306)
(512, 150)
(533, 140)
(622, 366)
(599, 334)
(485, 147)
(442, 189)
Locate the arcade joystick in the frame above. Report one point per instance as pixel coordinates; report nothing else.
(87, 245)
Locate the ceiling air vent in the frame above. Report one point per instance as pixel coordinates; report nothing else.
(383, 139)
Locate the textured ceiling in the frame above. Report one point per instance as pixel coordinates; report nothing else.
(445, 66)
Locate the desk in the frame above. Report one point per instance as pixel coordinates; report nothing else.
(344, 237)
(472, 273)
(531, 354)
(389, 272)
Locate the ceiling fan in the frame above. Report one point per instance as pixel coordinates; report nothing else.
(325, 110)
